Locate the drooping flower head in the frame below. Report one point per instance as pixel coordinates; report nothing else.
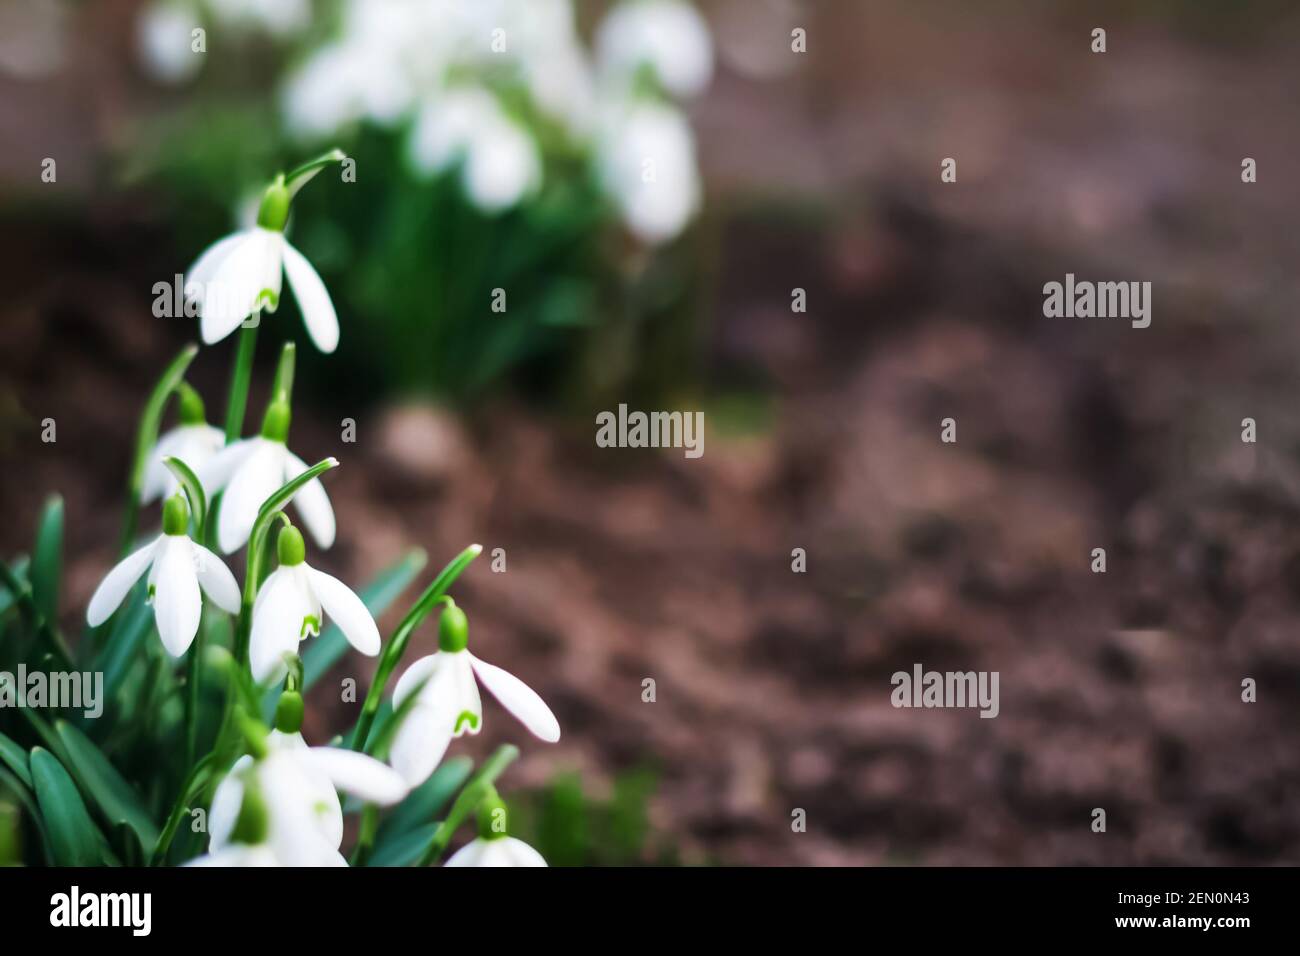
(193, 441)
(241, 274)
(291, 606)
(448, 703)
(494, 846)
(178, 568)
(251, 470)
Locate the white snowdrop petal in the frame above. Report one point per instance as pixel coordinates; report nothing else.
(234, 286)
(277, 624)
(414, 676)
(238, 855)
(518, 698)
(469, 854)
(347, 611)
(226, 801)
(313, 300)
(118, 582)
(258, 477)
(311, 501)
(215, 473)
(463, 697)
(358, 774)
(157, 478)
(216, 580)
(205, 266)
(177, 605)
(519, 853)
(420, 743)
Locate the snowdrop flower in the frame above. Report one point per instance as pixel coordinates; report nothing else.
(241, 274)
(647, 163)
(288, 610)
(668, 36)
(501, 163)
(448, 703)
(492, 846)
(283, 809)
(193, 441)
(177, 568)
(164, 41)
(253, 469)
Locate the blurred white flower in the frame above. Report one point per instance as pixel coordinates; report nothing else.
(667, 35)
(164, 38)
(278, 18)
(496, 851)
(289, 609)
(467, 125)
(647, 163)
(304, 825)
(193, 443)
(178, 568)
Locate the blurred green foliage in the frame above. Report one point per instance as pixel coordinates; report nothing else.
(569, 827)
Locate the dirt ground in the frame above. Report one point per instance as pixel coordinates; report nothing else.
(1119, 690)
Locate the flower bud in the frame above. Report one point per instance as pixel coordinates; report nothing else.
(191, 406)
(275, 423)
(176, 515)
(290, 547)
(273, 213)
(453, 629)
(492, 816)
(288, 712)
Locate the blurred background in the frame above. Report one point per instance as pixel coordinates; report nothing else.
(517, 161)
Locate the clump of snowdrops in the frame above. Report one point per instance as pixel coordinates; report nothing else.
(198, 755)
(501, 152)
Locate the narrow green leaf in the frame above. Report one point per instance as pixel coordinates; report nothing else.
(26, 796)
(123, 646)
(47, 559)
(425, 803)
(15, 758)
(74, 841)
(18, 569)
(104, 786)
(404, 849)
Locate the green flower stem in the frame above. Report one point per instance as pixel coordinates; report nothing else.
(189, 790)
(22, 592)
(300, 176)
(240, 377)
(257, 548)
(392, 654)
(193, 489)
(193, 676)
(481, 786)
(147, 437)
(366, 835)
(282, 388)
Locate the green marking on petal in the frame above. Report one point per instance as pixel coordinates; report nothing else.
(309, 623)
(466, 717)
(267, 299)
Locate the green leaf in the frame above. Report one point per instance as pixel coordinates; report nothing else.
(18, 569)
(404, 849)
(325, 651)
(122, 648)
(425, 803)
(47, 559)
(15, 758)
(101, 782)
(74, 841)
(25, 796)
